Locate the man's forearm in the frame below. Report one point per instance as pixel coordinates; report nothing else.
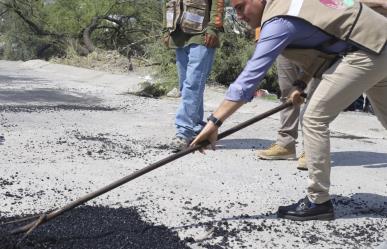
(227, 108)
(217, 14)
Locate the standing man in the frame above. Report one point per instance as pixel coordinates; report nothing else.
(193, 29)
(348, 29)
(284, 148)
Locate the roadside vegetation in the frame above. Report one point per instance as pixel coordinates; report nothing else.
(118, 36)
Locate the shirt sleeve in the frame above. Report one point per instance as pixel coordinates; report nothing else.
(275, 36)
(215, 24)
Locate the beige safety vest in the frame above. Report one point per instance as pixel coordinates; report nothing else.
(312, 62)
(192, 16)
(347, 20)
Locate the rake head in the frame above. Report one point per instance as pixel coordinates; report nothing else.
(14, 232)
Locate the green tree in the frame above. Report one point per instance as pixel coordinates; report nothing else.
(111, 24)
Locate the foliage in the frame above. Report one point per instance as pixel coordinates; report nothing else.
(43, 29)
(13, 46)
(121, 23)
(229, 61)
(71, 16)
(270, 82)
(230, 58)
(165, 60)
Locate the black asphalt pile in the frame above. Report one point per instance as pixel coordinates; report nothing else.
(94, 228)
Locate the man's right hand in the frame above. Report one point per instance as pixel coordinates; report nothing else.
(165, 39)
(297, 97)
(211, 41)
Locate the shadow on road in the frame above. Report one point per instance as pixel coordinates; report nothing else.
(20, 79)
(359, 158)
(360, 205)
(241, 144)
(46, 95)
(366, 159)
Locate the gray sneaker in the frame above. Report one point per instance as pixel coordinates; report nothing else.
(179, 144)
(2, 139)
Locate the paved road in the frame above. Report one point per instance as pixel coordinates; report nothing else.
(70, 131)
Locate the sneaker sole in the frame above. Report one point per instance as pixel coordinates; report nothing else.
(303, 168)
(315, 217)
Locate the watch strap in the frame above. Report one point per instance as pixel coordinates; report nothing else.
(215, 120)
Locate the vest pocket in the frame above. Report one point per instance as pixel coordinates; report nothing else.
(194, 18)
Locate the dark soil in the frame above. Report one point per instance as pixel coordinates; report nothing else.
(94, 228)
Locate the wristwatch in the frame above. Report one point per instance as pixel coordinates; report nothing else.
(215, 120)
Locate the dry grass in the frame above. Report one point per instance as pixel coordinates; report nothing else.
(101, 60)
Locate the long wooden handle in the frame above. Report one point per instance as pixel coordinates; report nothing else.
(30, 226)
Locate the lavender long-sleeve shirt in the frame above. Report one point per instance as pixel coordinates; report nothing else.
(276, 35)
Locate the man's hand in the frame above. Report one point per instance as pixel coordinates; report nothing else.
(210, 133)
(211, 41)
(297, 97)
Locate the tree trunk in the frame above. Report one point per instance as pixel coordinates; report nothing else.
(87, 34)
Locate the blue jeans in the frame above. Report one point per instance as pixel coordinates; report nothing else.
(194, 64)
